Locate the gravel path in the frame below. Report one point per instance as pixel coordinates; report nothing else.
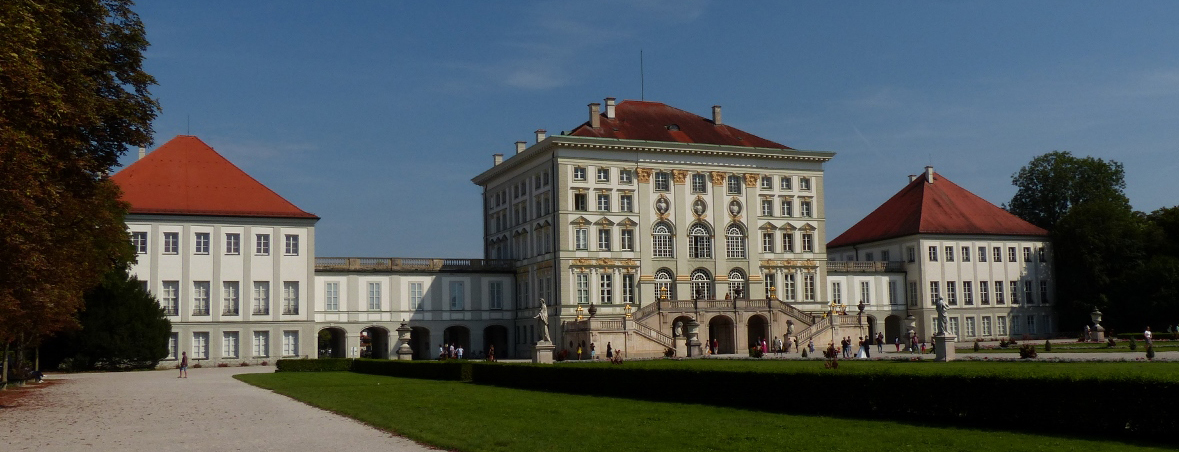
(154, 410)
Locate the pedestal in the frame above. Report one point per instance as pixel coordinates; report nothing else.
(404, 353)
(681, 346)
(1097, 334)
(945, 347)
(542, 353)
(695, 349)
(692, 334)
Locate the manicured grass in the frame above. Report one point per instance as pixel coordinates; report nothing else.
(1081, 347)
(469, 417)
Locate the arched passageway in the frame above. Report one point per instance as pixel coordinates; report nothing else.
(892, 328)
(333, 343)
(374, 343)
(720, 328)
(458, 336)
(496, 335)
(419, 342)
(757, 329)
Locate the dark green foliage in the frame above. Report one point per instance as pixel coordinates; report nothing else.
(1052, 184)
(1133, 344)
(1027, 351)
(433, 370)
(1149, 352)
(1047, 346)
(122, 326)
(314, 365)
(976, 347)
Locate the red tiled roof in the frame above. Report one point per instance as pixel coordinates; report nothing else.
(187, 177)
(651, 121)
(938, 208)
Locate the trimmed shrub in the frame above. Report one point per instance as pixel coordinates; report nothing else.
(1110, 342)
(1027, 351)
(1133, 344)
(1150, 352)
(976, 347)
(430, 370)
(1047, 345)
(313, 365)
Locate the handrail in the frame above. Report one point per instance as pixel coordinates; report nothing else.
(653, 334)
(390, 264)
(865, 267)
(795, 312)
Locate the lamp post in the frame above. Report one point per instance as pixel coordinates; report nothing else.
(625, 330)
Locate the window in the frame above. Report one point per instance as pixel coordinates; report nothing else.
(787, 242)
(735, 243)
(949, 254)
(626, 203)
(374, 296)
(1011, 254)
(982, 254)
(1014, 292)
(628, 289)
(1042, 254)
(580, 202)
(767, 207)
(1014, 324)
(1001, 325)
(934, 292)
(767, 242)
(292, 245)
(457, 296)
(737, 284)
(663, 288)
(968, 292)
(788, 289)
(261, 344)
(139, 242)
(626, 239)
(662, 181)
(1027, 254)
(912, 254)
(1044, 292)
(603, 174)
(170, 297)
(171, 243)
(983, 293)
(200, 345)
(952, 293)
(733, 187)
(331, 296)
(262, 244)
(603, 239)
(769, 285)
(804, 208)
(986, 326)
(290, 343)
(603, 201)
(933, 254)
(200, 298)
(998, 254)
(787, 207)
(581, 239)
(290, 297)
(230, 293)
(699, 183)
(606, 288)
(767, 183)
(884, 256)
(624, 177)
(1027, 293)
(579, 173)
(261, 297)
(892, 293)
(808, 240)
(201, 243)
(808, 287)
(701, 285)
(784, 182)
(999, 292)
(868, 257)
(661, 241)
(1031, 324)
(970, 329)
(233, 243)
(417, 291)
(913, 297)
(866, 292)
(699, 242)
(229, 344)
(173, 345)
(495, 295)
(954, 326)
(582, 288)
(966, 254)
(804, 183)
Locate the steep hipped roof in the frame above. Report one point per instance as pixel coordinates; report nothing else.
(187, 177)
(941, 207)
(654, 121)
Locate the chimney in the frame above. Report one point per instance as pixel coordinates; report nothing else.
(520, 146)
(595, 120)
(912, 177)
(609, 108)
(496, 159)
(142, 152)
(929, 174)
(716, 116)
(540, 135)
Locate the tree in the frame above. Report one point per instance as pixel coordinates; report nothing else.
(1097, 245)
(122, 326)
(73, 96)
(1053, 183)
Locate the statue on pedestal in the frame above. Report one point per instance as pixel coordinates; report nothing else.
(942, 319)
(678, 329)
(542, 321)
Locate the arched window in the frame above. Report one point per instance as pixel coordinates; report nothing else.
(663, 287)
(701, 285)
(661, 241)
(737, 284)
(735, 241)
(699, 242)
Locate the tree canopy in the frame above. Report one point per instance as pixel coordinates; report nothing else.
(1053, 183)
(73, 97)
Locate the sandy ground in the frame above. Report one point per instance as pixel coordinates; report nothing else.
(154, 411)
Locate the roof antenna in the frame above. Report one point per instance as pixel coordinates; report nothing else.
(642, 78)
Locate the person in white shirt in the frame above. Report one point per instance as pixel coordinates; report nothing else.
(460, 352)
(1149, 337)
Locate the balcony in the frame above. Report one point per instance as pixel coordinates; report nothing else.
(411, 264)
(865, 267)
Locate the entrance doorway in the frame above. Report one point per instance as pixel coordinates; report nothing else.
(419, 342)
(458, 336)
(758, 329)
(333, 343)
(721, 329)
(496, 335)
(374, 343)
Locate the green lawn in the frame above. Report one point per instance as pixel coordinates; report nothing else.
(1080, 347)
(469, 417)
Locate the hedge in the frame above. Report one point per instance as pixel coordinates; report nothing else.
(314, 365)
(430, 370)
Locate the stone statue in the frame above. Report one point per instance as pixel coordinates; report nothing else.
(789, 328)
(678, 329)
(542, 321)
(942, 319)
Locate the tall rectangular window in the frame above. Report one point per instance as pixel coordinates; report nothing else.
(913, 297)
(606, 288)
(331, 296)
(262, 244)
(884, 256)
(699, 183)
(970, 328)
(998, 254)
(934, 292)
(1027, 254)
(966, 254)
(495, 294)
(1027, 293)
(291, 245)
(788, 289)
(808, 242)
(804, 183)
(627, 239)
(986, 326)
(968, 293)
(952, 293)
(139, 242)
(581, 239)
(290, 297)
(626, 203)
(866, 292)
(628, 288)
(233, 243)
(1011, 254)
(200, 298)
(200, 345)
(662, 181)
(173, 345)
(892, 292)
(229, 344)
(170, 297)
(912, 254)
(1044, 292)
(767, 183)
(580, 203)
(787, 242)
(290, 343)
(1014, 324)
(787, 207)
(603, 239)
(785, 182)
(171, 243)
(1031, 324)
(808, 287)
(604, 202)
(1001, 325)
(982, 254)
(1042, 254)
(767, 207)
(374, 296)
(804, 208)
(201, 243)
(767, 242)
(949, 254)
(933, 254)
(984, 297)
(230, 297)
(836, 292)
(261, 297)
(1014, 285)
(261, 344)
(954, 326)
(458, 296)
(734, 184)
(999, 292)
(582, 288)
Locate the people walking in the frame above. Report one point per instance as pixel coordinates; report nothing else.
(609, 351)
(183, 365)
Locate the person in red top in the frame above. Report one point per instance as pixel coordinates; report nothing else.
(183, 365)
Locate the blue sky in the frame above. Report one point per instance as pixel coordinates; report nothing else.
(375, 115)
